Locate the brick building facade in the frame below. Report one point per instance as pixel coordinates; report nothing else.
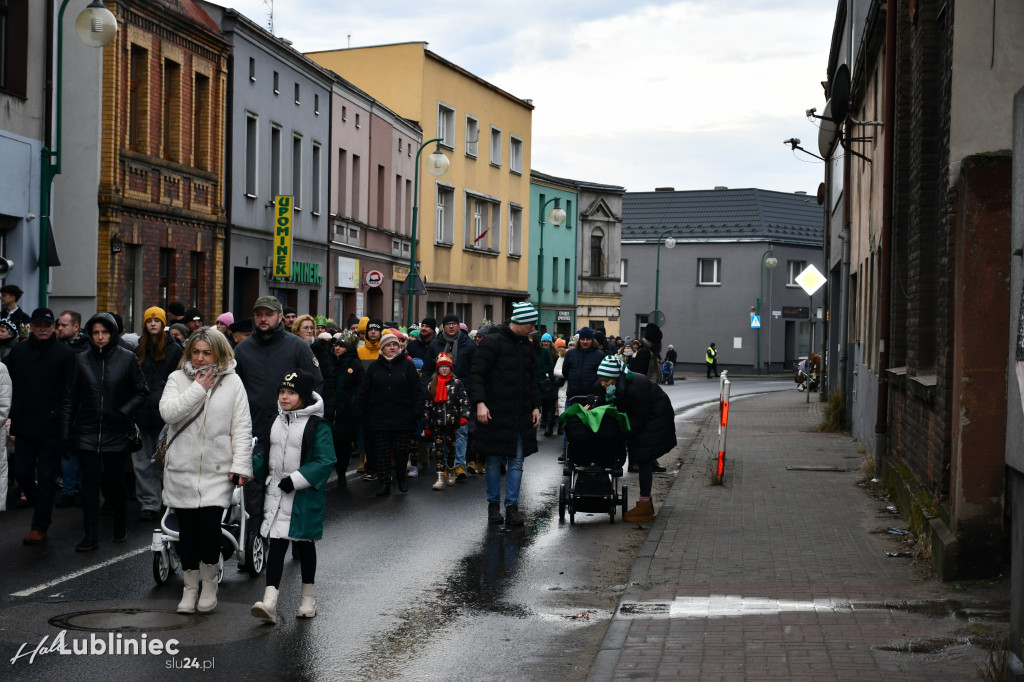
(162, 218)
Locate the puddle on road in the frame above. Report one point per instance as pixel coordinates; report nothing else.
(479, 585)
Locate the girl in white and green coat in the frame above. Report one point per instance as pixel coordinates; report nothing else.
(301, 457)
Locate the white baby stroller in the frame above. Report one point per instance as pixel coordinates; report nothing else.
(238, 537)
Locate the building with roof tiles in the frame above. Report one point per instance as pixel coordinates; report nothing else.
(715, 282)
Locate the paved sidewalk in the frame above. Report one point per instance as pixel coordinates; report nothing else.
(783, 571)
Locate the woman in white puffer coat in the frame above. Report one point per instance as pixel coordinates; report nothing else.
(210, 455)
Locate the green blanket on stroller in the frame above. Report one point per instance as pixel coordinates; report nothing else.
(593, 417)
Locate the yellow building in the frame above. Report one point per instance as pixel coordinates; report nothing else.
(471, 243)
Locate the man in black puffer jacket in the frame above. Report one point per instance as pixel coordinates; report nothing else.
(39, 367)
(503, 389)
(104, 389)
(580, 365)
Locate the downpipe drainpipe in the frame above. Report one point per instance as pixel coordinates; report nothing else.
(885, 279)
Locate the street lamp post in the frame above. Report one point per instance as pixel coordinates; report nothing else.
(770, 263)
(437, 166)
(96, 27)
(669, 244)
(557, 217)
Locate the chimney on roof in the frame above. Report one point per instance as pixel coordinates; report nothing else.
(664, 189)
(721, 187)
(800, 192)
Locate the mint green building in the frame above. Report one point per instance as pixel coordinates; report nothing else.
(553, 249)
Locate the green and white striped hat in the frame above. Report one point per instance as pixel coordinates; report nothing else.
(523, 313)
(609, 367)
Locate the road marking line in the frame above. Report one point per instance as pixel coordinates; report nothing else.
(71, 576)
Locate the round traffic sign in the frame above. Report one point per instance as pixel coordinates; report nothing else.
(374, 278)
(660, 321)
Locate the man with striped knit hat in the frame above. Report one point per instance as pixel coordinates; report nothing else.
(503, 390)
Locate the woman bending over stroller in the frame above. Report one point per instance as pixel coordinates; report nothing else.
(652, 425)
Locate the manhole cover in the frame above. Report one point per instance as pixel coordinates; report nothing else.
(122, 620)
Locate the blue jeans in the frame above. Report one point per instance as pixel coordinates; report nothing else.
(512, 479)
(36, 466)
(461, 439)
(71, 475)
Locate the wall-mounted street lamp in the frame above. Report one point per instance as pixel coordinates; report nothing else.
(437, 165)
(670, 243)
(557, 217)
(769, 263)
(96, 27)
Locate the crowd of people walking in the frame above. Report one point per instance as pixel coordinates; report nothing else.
(185, 412)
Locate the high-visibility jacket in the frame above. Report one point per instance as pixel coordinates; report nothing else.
(712, 355)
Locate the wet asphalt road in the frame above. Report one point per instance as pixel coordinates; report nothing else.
(414, 586)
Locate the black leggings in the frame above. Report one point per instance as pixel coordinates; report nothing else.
(199, 536)
(275, 562)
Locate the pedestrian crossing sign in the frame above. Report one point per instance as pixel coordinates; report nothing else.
(755, 321)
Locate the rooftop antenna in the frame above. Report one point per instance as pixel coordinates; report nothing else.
(270, 15)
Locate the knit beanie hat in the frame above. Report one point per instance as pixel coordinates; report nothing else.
(156, 312)
(301, 382)
(559, 343)
(11, 326)
(586, 333)
(387, 338)
(363, 321)
(609, 367)
(226, 318)
(523, 313)
(545, 337)
(450, 317)
(375, 323)
(429, 322)
(177, 308)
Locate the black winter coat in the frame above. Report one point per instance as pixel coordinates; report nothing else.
(580, 370)
(323, 351)
(463, 357)
(651, 417)
(262, 363)
(103, 391)
(156, 373)
(390, 397)
(641, 362)
(504, 378)
(420, 349)
(39, 371)
(348, 372)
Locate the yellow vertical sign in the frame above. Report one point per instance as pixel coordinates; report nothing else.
(282, 236)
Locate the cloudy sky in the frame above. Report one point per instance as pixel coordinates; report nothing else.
(687, 94)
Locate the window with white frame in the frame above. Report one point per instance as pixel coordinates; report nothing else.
(795, 267)
(251, 165)
(709, 271)
(315, 181)
(483, 226)
(623, 266)
(297, 172)
(515, 230)
(495, 146)
(515, 154)
(444, 215)
(275, 160)
(400, 248)
(472, 136)
(446, 125)
(346, 234)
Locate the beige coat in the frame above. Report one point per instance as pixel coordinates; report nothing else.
(213, 446)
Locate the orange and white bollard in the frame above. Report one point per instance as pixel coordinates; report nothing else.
(723, 410)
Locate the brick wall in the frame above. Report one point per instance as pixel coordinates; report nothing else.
(919, 416)
(167, 192)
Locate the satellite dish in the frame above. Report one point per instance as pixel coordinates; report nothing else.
(827, 132)
(840, 93)
(821, 194)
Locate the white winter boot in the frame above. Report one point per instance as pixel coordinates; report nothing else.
(191, 593)
(440, 481)
(307, 606)
(208, 595)
(266, 610)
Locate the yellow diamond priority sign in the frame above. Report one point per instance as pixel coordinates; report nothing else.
(810, 279)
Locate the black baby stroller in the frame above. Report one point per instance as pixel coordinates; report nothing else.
(595, 454)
